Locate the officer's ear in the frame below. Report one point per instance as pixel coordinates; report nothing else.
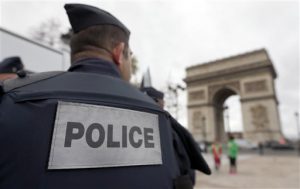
(117, 53)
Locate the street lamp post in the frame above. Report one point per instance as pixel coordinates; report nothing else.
(227, 117)
(298, 133)
(204, 129)
(204, 133)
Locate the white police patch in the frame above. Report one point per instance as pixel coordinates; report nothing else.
(91, 136)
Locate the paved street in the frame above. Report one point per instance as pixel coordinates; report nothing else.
(273, 170)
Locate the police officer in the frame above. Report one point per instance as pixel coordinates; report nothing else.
(187, 151)
(156, 95)
(9, 67)
(88, 127)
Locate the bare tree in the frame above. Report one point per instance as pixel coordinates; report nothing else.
(48, 33)
(134, 65)
(134, 71)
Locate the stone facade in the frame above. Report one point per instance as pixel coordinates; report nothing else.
(251, 76)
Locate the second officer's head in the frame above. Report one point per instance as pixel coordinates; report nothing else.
(9, 67)
(98, 34)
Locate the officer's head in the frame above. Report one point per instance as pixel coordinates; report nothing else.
(9, 67)
(97, 33)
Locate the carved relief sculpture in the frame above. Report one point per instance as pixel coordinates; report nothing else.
(197, 117)
(256, 86)
(259, 117)
(196, 95)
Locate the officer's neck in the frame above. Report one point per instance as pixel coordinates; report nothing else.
(92, 54)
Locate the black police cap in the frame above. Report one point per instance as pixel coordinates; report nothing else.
(153, 93)
(83, 16)
(11, 65)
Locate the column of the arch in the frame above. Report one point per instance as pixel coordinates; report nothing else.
(201, 118)
(210, 123)
(259, 108)
(201, 122)
(261, 120)
(277, 110)
(219, 125)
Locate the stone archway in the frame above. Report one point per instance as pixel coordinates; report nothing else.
(218, 101)
(251, 76)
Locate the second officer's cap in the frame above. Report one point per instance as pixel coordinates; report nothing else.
(11, 65)
(83, 16)
(153, 93)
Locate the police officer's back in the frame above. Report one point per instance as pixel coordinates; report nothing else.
(85, 128)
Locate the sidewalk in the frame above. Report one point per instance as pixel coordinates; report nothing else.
(257, 172)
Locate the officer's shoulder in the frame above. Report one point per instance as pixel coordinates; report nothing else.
(79, 84)
(26, 79)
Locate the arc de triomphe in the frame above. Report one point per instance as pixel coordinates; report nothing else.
(251, 76)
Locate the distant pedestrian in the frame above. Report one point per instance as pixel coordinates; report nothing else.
(232, 154)
(216, 149)
(261, 148)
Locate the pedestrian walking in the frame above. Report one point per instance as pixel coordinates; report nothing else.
(261, 148)
(232, 155)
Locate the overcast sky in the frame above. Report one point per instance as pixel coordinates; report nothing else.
(169, 36)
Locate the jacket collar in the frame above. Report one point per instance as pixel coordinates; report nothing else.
(96, 65)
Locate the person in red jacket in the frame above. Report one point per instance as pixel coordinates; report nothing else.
(216, 149)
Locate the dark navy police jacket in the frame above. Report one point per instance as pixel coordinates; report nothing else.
(30, 126)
